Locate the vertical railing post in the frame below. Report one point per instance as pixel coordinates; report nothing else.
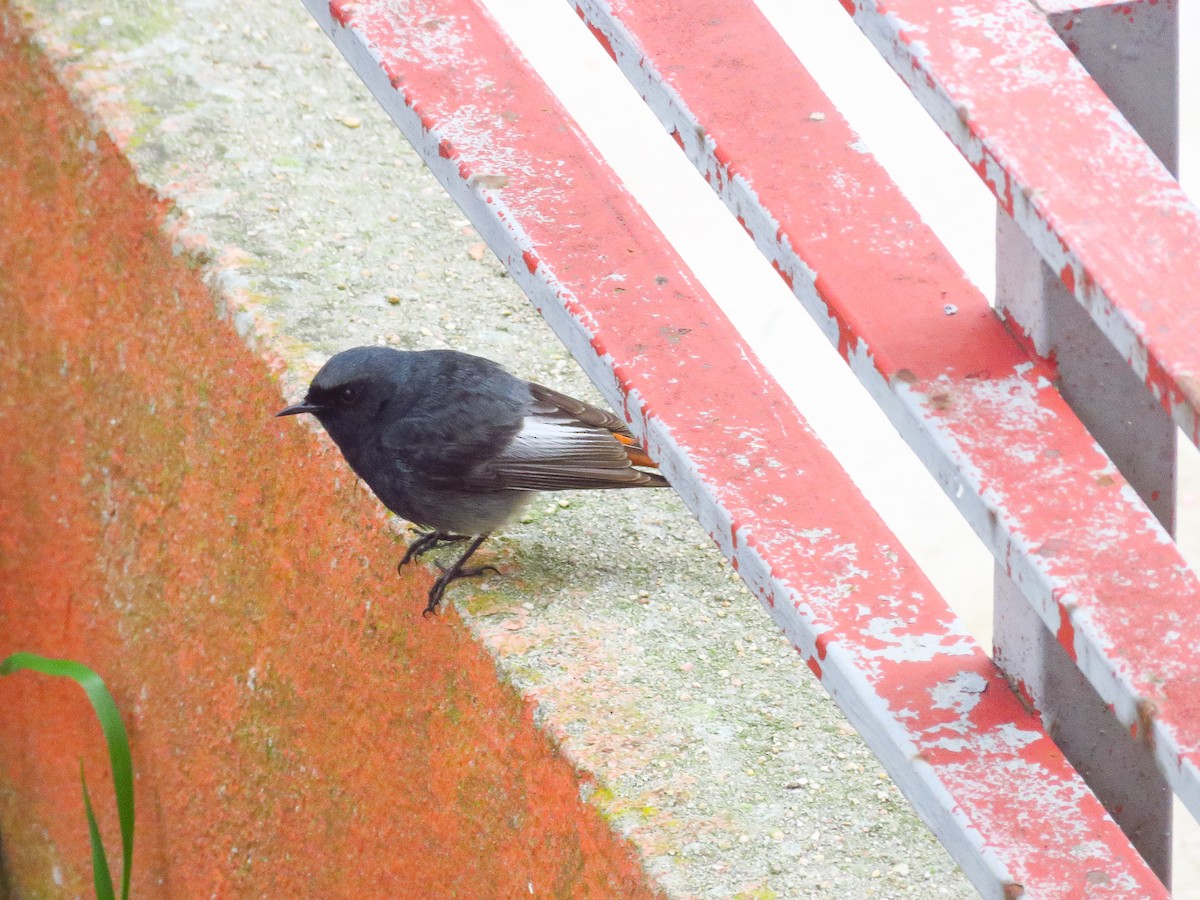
(1132, 54)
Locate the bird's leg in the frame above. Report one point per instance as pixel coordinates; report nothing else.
(456, 571)
(426, 542)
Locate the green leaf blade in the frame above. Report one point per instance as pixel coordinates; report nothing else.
(101, 877)
(119, 757)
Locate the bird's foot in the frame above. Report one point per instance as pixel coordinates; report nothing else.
(454, 572)
(426, 542)
(454, 575)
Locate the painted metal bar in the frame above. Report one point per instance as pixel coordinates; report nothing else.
(1102, 211)
(981, 411)
(931, 704)
(1125, 54)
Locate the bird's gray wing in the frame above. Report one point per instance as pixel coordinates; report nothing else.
(550, 403)
(566, 444)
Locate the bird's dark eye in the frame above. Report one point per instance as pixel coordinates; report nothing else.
(348, 395)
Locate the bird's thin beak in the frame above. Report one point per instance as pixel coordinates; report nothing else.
(297, 408)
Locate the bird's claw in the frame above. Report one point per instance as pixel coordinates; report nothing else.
(465, 573)
(454, 572)
(426, 542)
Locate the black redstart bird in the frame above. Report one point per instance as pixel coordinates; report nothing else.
(455, 443)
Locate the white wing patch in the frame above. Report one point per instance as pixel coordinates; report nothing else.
(563, 441)
(554, 453)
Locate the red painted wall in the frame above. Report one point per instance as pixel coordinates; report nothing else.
(298, 729)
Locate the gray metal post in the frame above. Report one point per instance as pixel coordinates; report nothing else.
(1132, 53)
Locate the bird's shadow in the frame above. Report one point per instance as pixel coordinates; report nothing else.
(531, 569)
(556, 552)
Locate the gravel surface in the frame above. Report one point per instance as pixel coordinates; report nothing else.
(713, 748)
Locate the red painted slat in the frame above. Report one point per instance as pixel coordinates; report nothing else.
(983, 414)
(1101, 209)
(866, 620)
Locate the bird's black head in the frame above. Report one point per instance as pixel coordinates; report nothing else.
(349, 393)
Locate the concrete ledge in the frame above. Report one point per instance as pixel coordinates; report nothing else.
(193, 214)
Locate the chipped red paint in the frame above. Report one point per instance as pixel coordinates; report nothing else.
(993, 74)
(892, 653)
(788, 279)
(822, 644)
(337, 14)
(992, 175)
(1066, 633)
(1068, 278)
(600, 38)
(981, 411)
